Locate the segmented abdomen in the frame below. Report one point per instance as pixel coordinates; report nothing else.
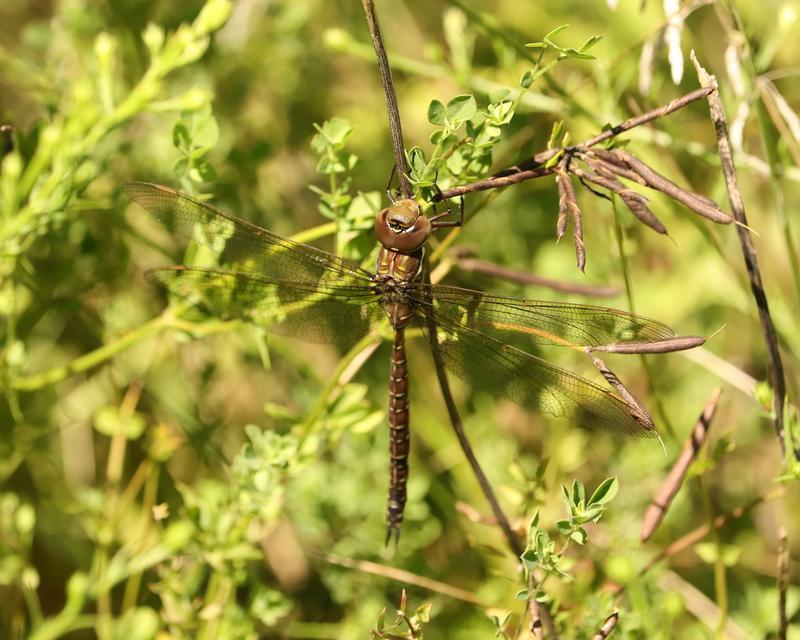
(399, 436)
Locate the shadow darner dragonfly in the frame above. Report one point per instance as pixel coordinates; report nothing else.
(294, 289)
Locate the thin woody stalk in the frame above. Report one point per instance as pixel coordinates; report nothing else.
(398, 148)
(776, 374)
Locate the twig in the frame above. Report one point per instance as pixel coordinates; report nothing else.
(607, 627)
(636, 202)
(777, 379)
(405, 577)
(534, 167)
(669, 487)
(392, 109)
(783, 581)
(637, 410)
(534, 610)
(568, 207)
(701, 205)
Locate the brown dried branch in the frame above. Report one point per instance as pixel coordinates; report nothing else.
(458, 428)
(748, 248)
(636, 202)
(700, 204)
(563, 208)
(534, 167)
(568, 206)
(392, 108)
(533, 609)
(638, 410)
(602, 165)
(783, 581)
(669, 345)
(674, 480)
(607, 627)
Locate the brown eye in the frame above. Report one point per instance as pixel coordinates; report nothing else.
(402, 227)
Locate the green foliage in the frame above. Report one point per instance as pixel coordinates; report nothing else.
(462, 145)
(167, 473)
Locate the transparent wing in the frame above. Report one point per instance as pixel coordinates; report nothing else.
(312, 311)
(511, 320)
(241, 245)
(504, 370)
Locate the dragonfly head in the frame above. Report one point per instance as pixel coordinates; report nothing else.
(402, 226)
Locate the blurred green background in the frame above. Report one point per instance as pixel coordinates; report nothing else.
(136, 504)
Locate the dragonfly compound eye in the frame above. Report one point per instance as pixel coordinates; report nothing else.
(402, 226)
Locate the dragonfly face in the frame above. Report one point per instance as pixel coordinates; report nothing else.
(402, 227)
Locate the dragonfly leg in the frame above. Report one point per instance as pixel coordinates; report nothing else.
(447, 212)
(393, 196)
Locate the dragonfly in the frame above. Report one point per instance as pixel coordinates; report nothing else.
(294, 289)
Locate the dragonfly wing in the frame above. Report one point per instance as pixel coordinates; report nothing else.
(517, 321)
(312, 311)
(526, 379)
(240, 245)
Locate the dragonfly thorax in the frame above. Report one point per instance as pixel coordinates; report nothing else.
(402, 226)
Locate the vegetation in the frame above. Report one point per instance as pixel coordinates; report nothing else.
(170, 473)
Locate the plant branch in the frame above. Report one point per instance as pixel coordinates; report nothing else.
(392, 108)
(749, 253)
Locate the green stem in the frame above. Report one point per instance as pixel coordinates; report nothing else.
(93, 358)
(320, 231)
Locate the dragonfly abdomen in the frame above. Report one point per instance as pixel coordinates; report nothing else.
(399, 436)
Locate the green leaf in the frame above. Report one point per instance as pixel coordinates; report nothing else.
(456, 163)
(205, 171)
(606, 492)
(461, 108)
(579, 535)
(522, 594)
(180, 136)
(590, 42)
(527, 79)
(177, 535)
(548, 39)
(564, 527)
(555, 134)
(337, 130)
(436, 113)
(571, 52)
(578, 493)
(206, 132)
(764, 394)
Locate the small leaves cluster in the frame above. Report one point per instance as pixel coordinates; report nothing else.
(194, 135)
(55, 162)
(547, 45)
(540, 552)
(352, 214)
(463, 142)
(228, 521)
(404, 626)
